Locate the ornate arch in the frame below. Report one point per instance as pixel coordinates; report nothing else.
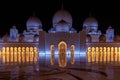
(62, 48)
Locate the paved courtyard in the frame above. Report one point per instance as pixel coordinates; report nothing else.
(43, 70)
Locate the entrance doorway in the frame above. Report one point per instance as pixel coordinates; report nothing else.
(62, 48)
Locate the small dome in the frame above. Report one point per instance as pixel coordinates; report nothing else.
(62, 15)
(33, 23)
(102, 38)
(90, 23)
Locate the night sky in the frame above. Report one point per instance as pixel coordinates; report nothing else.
(17, 12)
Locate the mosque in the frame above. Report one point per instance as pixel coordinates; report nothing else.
(62, 39)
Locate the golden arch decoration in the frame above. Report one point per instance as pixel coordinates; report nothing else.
(62, 48)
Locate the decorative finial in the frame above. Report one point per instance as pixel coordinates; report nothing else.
(62, 6)
(33, 13)
(90, 14)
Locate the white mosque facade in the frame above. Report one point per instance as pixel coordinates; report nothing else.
(62, 38)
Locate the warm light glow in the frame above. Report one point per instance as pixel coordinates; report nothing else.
(103, 54)
(62, 60)
(72, 54)
(52, 54)
(19, 55)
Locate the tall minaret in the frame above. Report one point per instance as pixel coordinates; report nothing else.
(13, 34)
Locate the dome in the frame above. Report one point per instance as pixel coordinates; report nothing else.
(102, 38)
(90, 23)
(33, 23)
(62, 15)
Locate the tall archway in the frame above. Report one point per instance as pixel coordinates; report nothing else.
(62, 48)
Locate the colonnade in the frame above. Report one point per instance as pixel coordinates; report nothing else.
(19, 54)
(103, 54)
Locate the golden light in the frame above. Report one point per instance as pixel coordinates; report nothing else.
(72, 54)
(52, 54)
(103, 54)
(18, 55)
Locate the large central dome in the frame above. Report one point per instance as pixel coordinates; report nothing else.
(33, 23)
(62, 15)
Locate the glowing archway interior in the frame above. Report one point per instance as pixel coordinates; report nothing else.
(62, 48)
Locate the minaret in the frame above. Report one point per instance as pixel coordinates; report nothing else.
(13, 34)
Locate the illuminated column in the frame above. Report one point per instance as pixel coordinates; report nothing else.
(97, 55)
(112, 54)
(3, 54)
(23, 54)
(19, 54)
(31, 54)
(7, 54)
(27, 54)
(36, 54)
(101, 54)
(15, 54)
(116, 54)
(104, 54)
(93, 54)
(89, 54)
(11, 54)
(108, 54)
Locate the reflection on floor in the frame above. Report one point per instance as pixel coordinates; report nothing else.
(42, 69)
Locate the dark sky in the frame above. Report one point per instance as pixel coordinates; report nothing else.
(17, 13)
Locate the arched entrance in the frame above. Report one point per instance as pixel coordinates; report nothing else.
(62, 48)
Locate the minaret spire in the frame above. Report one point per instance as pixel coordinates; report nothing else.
(62, 6)
(34, 13)
(90, 14)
